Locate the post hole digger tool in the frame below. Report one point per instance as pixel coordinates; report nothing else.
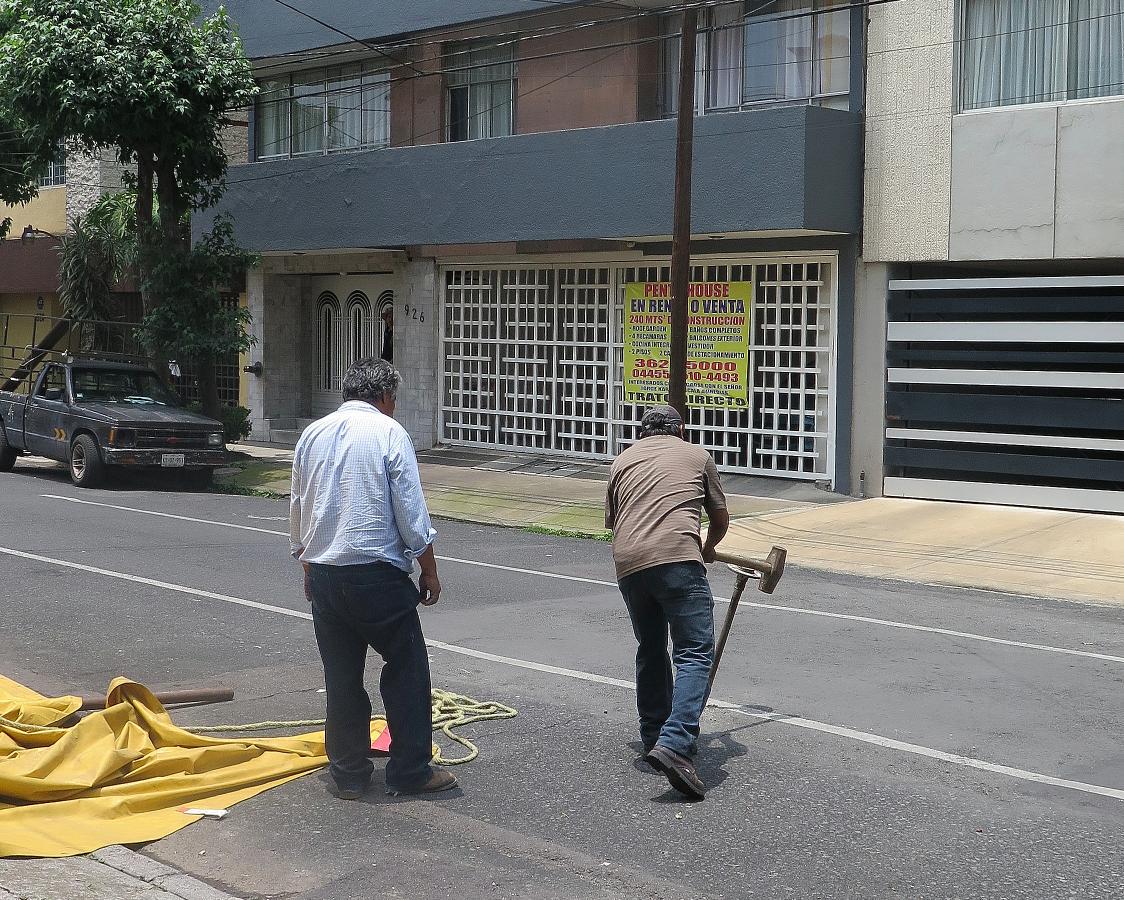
(766, 572)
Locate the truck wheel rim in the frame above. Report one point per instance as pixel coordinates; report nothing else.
(78, 461)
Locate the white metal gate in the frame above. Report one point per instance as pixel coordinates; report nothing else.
(533, 362)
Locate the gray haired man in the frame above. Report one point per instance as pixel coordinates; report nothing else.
(358, 522)
(657, 490)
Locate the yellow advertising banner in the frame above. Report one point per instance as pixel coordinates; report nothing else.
(717, 343)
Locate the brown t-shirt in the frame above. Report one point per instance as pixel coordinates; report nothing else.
(657, 488)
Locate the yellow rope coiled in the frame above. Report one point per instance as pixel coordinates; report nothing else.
(450, 711)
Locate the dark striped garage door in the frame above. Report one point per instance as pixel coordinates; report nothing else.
(1007, 390)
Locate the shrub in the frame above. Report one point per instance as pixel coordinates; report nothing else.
(235, 421)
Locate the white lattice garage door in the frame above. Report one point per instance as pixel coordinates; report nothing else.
(533, 360)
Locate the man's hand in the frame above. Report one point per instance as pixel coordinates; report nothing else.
(430, 587)
(709, 553)
(307, 582)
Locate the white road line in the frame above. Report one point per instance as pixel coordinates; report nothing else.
(780, 719)
(867, 620)
(163, 515)
(931, 630)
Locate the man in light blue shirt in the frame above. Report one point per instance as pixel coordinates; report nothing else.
(358, 522)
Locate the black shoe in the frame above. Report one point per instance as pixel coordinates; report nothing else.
(440, 780)
(680, 773)
(347, 793)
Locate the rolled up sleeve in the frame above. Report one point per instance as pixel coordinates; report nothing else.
(296, 544)
(410, 513)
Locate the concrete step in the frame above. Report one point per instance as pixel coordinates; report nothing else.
(285, 437)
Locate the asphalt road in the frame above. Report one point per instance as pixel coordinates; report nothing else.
(865, 759)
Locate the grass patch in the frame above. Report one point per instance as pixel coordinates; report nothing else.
(241, 490)
(604, 536)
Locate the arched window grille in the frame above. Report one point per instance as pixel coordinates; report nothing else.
(385, 332)
(329, 342)
(359, 330)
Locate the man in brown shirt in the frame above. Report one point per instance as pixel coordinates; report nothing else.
(657, 490)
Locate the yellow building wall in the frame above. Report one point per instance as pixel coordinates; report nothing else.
(21, 322)
(46, 212)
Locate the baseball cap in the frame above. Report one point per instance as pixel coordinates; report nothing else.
(658, 416)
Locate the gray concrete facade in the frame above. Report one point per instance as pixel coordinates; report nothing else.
(1035, 182)
(269, 29)
(868, 379)
(786, 169)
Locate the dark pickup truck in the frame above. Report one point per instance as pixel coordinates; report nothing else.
(92, 414)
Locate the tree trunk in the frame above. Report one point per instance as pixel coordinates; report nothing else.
(145, 251)
(207, 372)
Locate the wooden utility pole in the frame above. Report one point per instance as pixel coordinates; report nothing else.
(681, 234)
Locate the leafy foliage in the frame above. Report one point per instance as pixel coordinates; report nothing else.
(192, 321)
(22, 159)
(151, 78)
(91, 261)
(235, 421)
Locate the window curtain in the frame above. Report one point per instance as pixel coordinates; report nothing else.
(345, 114)
(724, 86)
(1014, 51)
(484, 96)
(778, 52)
(376, 109)
(833, 51)
(271, 125)
(308, 113)
(1098, 48)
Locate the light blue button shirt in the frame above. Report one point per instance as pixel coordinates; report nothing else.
(357, 495)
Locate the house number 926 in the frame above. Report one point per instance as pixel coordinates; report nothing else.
(412, 312)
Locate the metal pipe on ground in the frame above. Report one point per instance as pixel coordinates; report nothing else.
(173, 698)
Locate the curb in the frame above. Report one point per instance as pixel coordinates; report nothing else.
(129, 862)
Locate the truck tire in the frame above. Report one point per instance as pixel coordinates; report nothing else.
(199, 479)
(7, 452)
(86, 468)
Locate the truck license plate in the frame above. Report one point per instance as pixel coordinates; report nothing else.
(172, 460)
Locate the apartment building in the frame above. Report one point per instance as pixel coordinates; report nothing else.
(469, 188)
(994, 253)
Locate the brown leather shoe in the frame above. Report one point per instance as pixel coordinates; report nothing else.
(440, 780)
(680, 773)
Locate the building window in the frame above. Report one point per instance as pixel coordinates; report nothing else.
(359, 330)
(328, 343)
(323, 111)
(386, 331)
(1040, 51)
(481, 91)
(789, 51)
(55, 175)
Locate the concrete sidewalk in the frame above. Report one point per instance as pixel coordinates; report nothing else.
(1043, 553)
(114, 873)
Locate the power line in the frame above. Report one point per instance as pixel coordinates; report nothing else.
(617, 47)
(346, 35)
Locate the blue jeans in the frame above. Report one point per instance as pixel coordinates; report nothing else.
(673, 597)
(374, 605)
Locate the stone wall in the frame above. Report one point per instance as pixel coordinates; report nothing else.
(274, 302)
(88, 176)
(416, 356)
(910, 81)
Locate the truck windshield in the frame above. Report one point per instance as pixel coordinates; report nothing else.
(120, 386)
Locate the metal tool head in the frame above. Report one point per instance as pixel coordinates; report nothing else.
(773, 570)
(767, 572)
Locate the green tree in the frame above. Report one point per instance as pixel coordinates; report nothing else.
(152, 79)
(194, 322)
(91, 262)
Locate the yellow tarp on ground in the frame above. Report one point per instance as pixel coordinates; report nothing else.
(120, 774)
